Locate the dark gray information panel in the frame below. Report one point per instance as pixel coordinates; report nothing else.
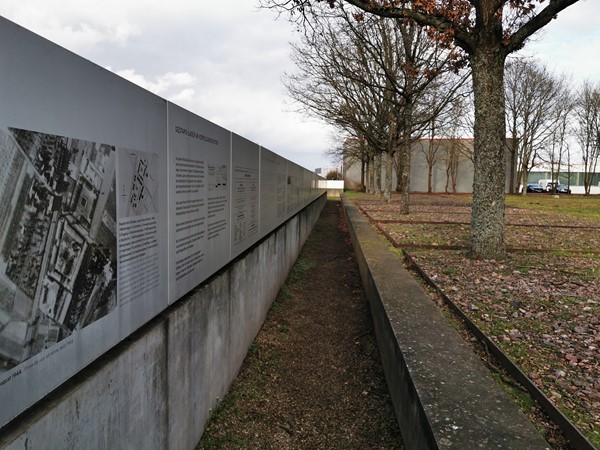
(294, 188)
(113, 204)
(273, 183)
(309, 186)
(82, 216)
(199, 199)
(244, 194)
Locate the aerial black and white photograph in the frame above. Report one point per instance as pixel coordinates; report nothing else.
(57, 239)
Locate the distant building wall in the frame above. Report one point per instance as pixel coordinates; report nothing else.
(440, 152)
(334, 187)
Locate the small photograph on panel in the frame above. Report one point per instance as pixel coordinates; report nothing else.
(217, 178)
(57, 239)
(139, 190)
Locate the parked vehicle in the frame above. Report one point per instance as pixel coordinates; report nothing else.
(545, 184)
(557, 188)
(534, 187)
(554, 187)
(563, 189)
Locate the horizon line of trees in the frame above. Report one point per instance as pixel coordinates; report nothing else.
(389, 83)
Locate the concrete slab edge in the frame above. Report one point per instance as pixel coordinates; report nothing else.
(443, 395)
(576, 438)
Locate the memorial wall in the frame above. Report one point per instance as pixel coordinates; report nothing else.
(114, 203)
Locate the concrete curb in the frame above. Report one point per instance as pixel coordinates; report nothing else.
(443, 395)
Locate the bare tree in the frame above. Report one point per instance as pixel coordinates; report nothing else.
(372, 77)
(534, 108)
(457, 124)
(557, 149)
(353, 151)
(587, 117)
(432, 154)
(487, 31)
(336, 82)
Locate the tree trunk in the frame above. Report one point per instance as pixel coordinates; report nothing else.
(404, 175)
(514, 149)
(487, 219)
(405, 183)
(398, 167)
(405, 152)
(384, 176)
(371, 183)
(447, 178)
(429, 177)
(454, 180)
(387, 193)
(377, 178)
(362, 172)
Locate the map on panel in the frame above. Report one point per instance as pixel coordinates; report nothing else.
(140, 188)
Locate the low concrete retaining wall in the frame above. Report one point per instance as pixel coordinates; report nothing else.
(443, 395)
(156, 390)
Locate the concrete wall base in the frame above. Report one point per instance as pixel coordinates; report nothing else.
(156, 390)
(444, 397)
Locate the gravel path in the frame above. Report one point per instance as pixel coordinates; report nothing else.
(313, 377)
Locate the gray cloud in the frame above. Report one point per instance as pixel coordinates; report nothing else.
(225, 62)
(222, 63)
(569, 44)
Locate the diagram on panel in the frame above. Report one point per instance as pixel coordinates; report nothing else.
(139, 182)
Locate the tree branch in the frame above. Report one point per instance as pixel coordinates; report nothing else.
(536, 23)
(462, 37)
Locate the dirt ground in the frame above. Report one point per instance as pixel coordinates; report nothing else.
(541, 305)
(313, 377)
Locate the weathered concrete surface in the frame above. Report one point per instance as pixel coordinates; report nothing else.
(123, 405)
(156, 390)
(443, 395)
(209, 336)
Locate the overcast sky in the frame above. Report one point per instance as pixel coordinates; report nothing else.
(225, 63)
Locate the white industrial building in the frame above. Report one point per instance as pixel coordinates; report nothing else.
(450, 163)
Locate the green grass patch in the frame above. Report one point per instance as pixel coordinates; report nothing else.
(222, 441)
(520, 395)
(224, 410)
(297, 273)
(427, 234)
(293, 280)
(585, 422)
(353, 195)
(277, 305)
(578, 206)
(302, 265)
(285, 293)
(451, 271)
